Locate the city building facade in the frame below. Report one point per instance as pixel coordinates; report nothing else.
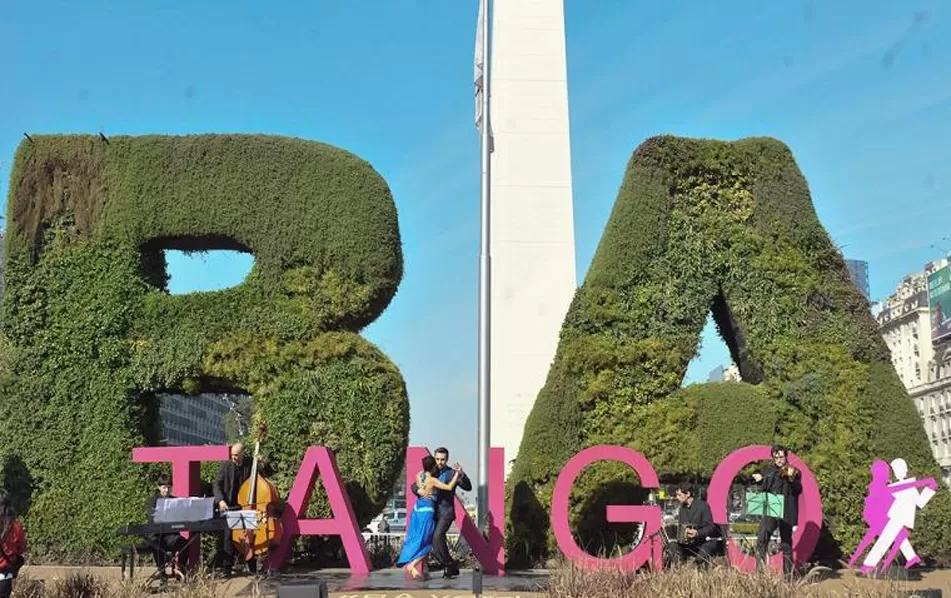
(730, 373)
(923, 365)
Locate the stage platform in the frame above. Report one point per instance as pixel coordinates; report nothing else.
(390, 583)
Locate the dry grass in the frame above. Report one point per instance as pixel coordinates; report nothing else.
(688, 582)
(85, 585)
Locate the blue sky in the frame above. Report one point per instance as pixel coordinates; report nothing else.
(860, 90)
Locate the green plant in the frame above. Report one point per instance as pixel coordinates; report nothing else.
(90, 334)
(728, 228)
(715, 582)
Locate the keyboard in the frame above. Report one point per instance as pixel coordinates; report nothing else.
(208, 525)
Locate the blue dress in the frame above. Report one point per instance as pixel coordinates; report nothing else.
(422, 526)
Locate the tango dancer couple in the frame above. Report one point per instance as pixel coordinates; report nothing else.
(890, 510)
(434, 512)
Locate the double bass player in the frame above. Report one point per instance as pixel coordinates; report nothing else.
(231, 475)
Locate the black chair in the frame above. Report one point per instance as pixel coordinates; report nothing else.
(131, 553)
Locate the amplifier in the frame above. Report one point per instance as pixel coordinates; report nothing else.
(302, 589)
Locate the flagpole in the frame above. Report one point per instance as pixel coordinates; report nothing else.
(485, 278)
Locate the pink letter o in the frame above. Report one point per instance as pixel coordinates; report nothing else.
(806, 535)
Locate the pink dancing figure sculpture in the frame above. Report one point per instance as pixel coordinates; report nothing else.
(877, 502)
(890, 511)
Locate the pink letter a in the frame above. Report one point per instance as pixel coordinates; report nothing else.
(319, 459)
(491, 553)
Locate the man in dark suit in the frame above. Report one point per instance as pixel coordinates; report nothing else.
(228, 482)
(445, 511)
(702, 537)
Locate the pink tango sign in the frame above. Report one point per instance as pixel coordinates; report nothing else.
(319, 464)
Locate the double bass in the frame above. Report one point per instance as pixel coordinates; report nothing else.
(258, 494)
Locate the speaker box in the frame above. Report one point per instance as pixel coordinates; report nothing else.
(309, 589)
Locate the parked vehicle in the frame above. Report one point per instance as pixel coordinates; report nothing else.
(393, 522)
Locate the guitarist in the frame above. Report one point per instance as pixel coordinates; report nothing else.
(230, 476)
(701, 536)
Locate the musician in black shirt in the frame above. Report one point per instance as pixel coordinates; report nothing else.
(164, 543)
(782, 479)
(231, 475)
(700, 537)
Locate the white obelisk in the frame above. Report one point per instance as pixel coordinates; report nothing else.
(532, 242)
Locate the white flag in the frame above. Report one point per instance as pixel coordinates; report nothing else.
(479, 62)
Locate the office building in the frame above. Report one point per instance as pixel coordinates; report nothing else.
(858, 271)
(194, 420)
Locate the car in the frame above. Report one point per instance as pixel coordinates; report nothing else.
(397, 521)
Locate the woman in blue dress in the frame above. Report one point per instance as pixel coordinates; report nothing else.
(422, 523)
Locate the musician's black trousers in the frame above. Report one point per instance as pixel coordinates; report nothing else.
(6, 587)
(440, 546)
(766, 528)
(226, 555)
(701, 551)
(168, 543)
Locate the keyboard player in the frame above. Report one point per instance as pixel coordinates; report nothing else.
(164, 543)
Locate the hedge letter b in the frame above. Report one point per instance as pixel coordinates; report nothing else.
(91, 335)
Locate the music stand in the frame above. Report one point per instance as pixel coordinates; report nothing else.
(244, 519)
(765, 504)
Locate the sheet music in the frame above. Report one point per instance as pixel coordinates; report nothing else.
(192, 508)
(242, 519)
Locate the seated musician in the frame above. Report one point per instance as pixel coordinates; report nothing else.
(164, 543)
(228, 482)
(698, 535)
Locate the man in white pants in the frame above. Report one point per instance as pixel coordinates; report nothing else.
(901, 517)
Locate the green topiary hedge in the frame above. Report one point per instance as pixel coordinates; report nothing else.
(728, 227)
(90, 334)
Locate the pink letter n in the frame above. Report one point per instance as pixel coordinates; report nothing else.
(490, 553)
